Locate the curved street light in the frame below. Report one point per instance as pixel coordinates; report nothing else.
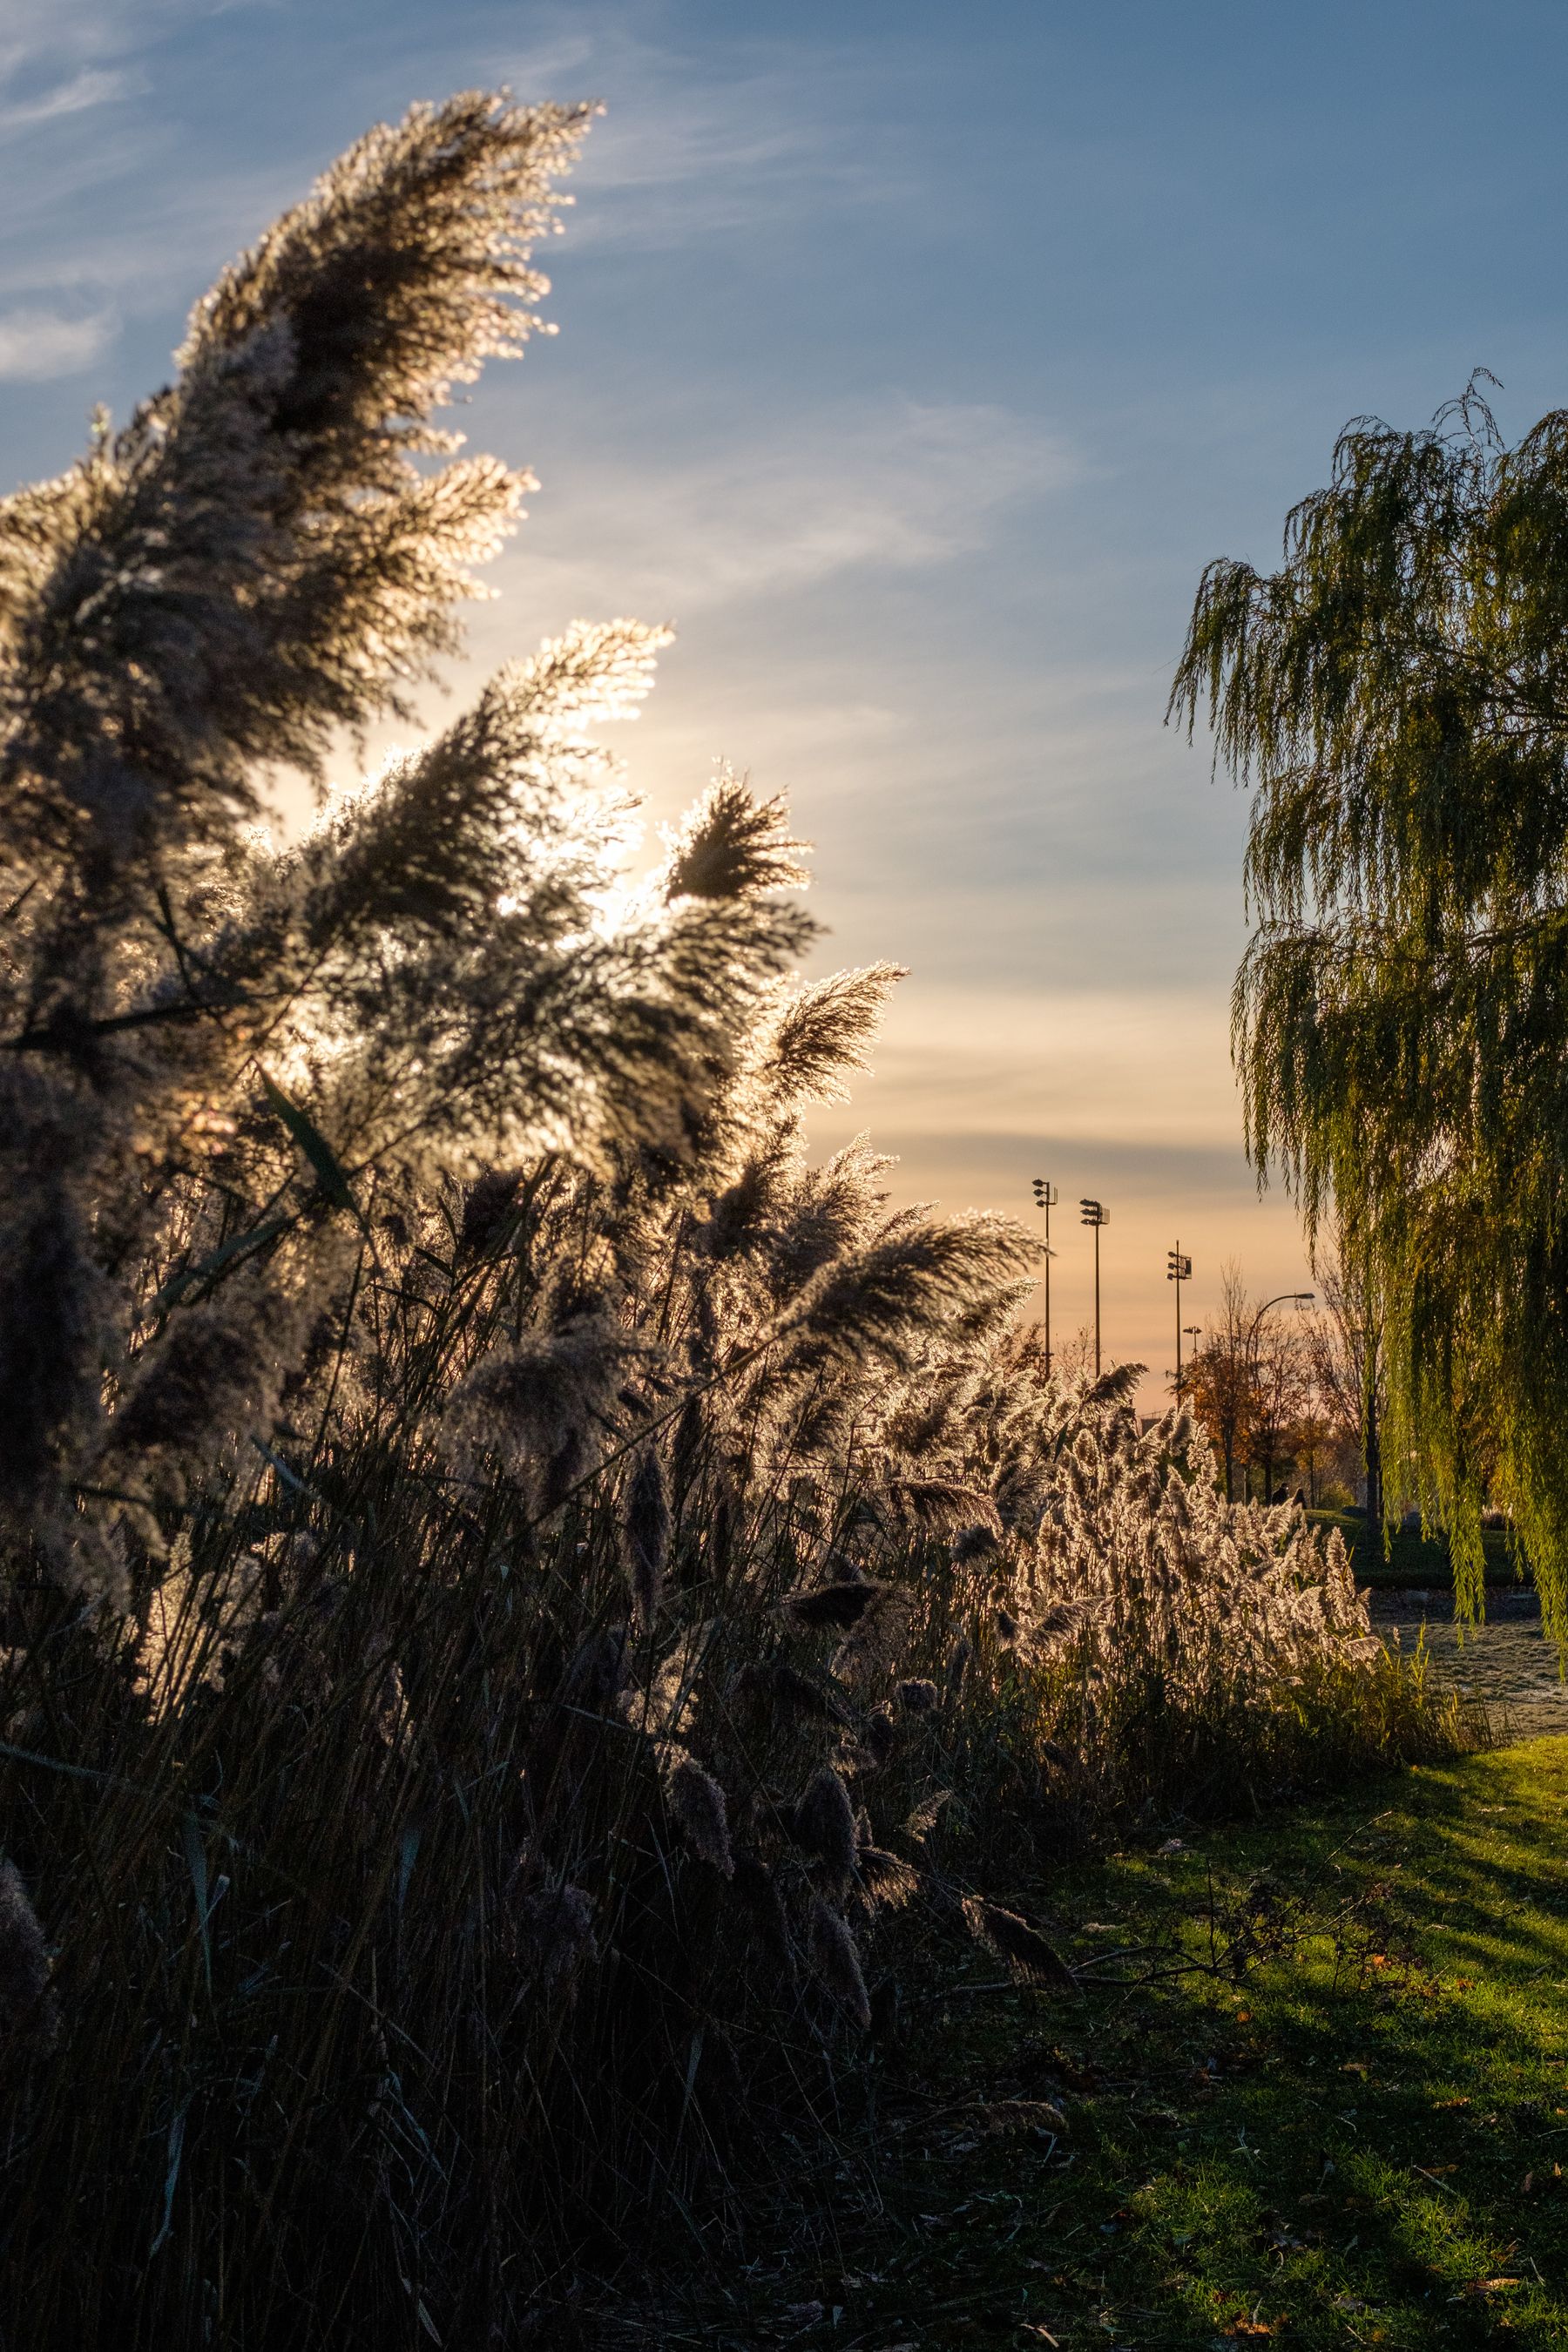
(1284, 1297)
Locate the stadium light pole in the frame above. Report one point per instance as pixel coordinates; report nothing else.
(1096, 1214)
(1046, 1199)
(1178, 1269)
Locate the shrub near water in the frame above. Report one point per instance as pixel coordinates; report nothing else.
(513, 1574)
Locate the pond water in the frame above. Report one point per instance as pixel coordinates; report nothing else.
(1504, 1664)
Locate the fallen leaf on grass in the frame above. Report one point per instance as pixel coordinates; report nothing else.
(1440, 2106)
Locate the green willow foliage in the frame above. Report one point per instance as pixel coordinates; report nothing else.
(1396, 695)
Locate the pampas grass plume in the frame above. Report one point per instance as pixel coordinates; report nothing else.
(824, 1822)
(698, 1803)
(1031, 1960)
(836, 1960)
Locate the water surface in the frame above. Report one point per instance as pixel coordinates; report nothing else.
(1504, 1664)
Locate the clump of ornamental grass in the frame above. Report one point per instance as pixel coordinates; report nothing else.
(517, 1584)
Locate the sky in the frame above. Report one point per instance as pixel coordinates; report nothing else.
(913, 361)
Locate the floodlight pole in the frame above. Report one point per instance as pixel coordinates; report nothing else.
(1096, 1214)
(1046, 1199)
(1178, 1269)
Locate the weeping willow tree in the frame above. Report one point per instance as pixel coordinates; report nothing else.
(1395, 698)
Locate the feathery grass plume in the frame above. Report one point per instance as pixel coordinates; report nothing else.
(742, 1213)
(880, 1301)
(840, 1603)
(782, 1685)
(645, 1533)
(432, 845)
(823, 1033)
(542, 1405)
(887, 1878)
(488, 1205)
(831, 1210)
(918, 1694)
(942, 1504)
(257, 558)
(1031, 1960)
(977, 1541)
(664, 1707)
(822, 1820)
(878, 1738)
(1057, 1624)
(926, 1816)
(836, 1958)
(29, 2015)
(699, 1805)
(878, 1641)
(214, 1371)
(734, 846)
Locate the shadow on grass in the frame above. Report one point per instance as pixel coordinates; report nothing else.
(1360, 2143)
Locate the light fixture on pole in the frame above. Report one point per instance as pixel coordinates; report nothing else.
(1195, 1332)
(1046, 1199)
(1178, 1269)
(1095, 1213)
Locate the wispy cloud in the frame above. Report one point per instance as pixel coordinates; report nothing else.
(891, 487)
(93, 86)
(38, 344)
(697, 142)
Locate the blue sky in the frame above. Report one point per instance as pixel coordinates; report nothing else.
(913, 361)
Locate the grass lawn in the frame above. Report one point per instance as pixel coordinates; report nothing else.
(1412, 1558)
(1361, 2143)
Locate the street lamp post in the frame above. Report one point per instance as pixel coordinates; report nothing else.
(1178, 1269)
(1046, 1199)
(1095, 1213)
(1283, 1298)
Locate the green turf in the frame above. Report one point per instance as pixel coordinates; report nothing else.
(1361, 2144)
(1412, 1558)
